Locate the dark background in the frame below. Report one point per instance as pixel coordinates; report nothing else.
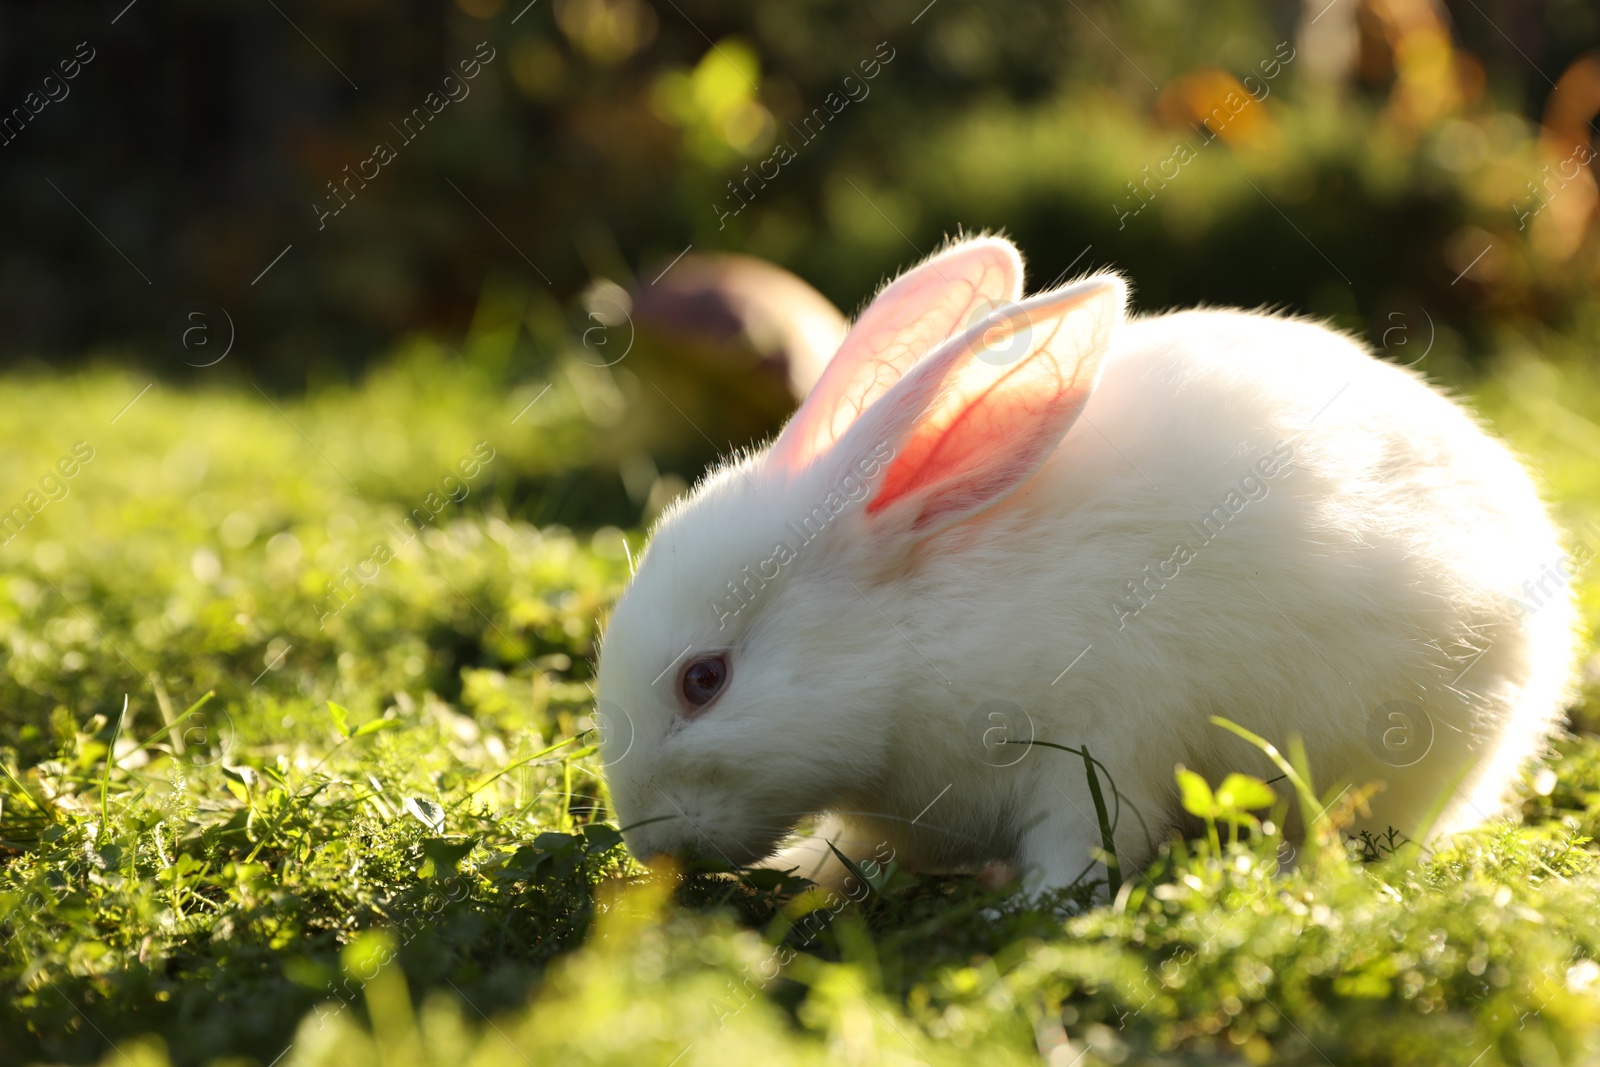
(597, 141)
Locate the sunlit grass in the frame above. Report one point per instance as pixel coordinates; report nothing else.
(384, 838)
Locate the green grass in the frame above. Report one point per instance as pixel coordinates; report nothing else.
(378, 834)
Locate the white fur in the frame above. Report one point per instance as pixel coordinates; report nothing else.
(1384, 563)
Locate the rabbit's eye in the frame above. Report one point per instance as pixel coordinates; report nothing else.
(703, 679)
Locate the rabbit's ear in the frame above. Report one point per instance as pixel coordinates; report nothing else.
(977, 418)
(918, 311)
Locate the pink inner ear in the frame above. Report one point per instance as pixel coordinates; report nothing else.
(911, 318)
(992, 426)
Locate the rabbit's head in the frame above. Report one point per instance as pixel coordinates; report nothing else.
(747, 675)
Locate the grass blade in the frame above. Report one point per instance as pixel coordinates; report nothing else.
(1107, 841)
(111, 757)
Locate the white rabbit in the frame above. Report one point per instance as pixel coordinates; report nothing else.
(994, 521)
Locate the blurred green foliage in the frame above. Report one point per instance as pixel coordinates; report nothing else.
(1384, 169)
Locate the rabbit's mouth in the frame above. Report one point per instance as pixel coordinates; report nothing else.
(685, 837)
(699, 853)
(704, 854)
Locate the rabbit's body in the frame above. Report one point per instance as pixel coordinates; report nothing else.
(1252, 518)
(1372, 596)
